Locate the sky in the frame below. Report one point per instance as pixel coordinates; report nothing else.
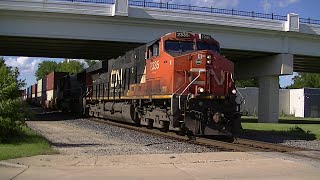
(306, 9)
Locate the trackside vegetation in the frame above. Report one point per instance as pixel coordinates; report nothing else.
(28, 143)
(16, 139)
(12, 108)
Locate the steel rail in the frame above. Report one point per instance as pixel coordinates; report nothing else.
(242, 145)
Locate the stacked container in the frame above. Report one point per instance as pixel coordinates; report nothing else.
(29, 94)
(51, 88)
(34, 93)
(39, 90)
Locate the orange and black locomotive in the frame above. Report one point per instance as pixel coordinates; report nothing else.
(178, 82)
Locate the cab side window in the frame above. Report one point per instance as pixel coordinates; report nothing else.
(153, 50)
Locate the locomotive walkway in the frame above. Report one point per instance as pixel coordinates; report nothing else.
(217, 165)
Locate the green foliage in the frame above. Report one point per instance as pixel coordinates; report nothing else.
(91, 62)
(12, 109)
(311, 80)
(70, 66)
(247, 83)
(44, 68)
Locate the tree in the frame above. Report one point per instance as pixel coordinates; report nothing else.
(91, 62)
(44, 68)
(70, 66)
(12, 109)
(301, 80)
(247, 83)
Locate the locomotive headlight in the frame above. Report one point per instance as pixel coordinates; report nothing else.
(201, 89)
(234, 91)
(209, 57)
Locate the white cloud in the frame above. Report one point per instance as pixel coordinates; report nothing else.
(266, 5)
(285, 3)
(26, 65)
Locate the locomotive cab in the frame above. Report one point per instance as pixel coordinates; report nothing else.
(199, 80)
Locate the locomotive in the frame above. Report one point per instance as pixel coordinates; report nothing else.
(179, 82)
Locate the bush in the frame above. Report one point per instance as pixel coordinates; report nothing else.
(12, 109)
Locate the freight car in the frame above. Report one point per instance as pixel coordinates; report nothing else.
(51, 87)
(178, 82)
(71, 90)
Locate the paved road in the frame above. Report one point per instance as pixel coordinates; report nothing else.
(216, 165)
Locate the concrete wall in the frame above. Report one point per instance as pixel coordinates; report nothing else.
(251, 103)
(312, 102)
(284, 102)
(297, 102)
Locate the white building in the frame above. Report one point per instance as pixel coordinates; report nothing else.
(297, 102)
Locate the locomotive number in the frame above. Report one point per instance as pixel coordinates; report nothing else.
(183, 34)
(154, 65)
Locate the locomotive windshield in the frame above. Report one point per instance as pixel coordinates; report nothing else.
(179, 46)
(206, 46)
(185, 46)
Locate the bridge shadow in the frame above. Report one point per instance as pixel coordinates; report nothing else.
(294, 133)
(283, 121)
(40, 114)
(68, 145)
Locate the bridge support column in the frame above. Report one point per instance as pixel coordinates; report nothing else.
(267, 70)
(268, 109)
(120, 8)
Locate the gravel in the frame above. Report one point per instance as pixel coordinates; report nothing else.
(314, 145)
(284, 140)
(82, 136)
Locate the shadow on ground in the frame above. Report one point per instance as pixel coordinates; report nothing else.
(40, 114)
(295, 133)
(68, 145)
(302, 121)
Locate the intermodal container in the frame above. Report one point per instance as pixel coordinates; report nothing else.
(29, 92)
(34, 90)
(39, 88)
(52, 80)
(51, 88)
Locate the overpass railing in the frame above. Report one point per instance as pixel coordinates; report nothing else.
(91, 1)
(167, 5)
(272, 16)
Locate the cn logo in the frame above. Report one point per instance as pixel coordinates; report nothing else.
(115, 78)
(154, 65)
(218, 81)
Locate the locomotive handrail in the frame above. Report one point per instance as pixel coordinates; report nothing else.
(185, 81)
(200, 71)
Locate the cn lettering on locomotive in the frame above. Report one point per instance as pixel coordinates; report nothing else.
(178, 82)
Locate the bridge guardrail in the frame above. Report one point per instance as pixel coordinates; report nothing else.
(151, 4)
(91, 1)
(272, 16)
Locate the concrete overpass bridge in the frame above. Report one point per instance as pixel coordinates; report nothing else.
(264, 46)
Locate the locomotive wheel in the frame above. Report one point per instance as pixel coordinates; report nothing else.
(165, 126)
(183, 130)
(150, 124)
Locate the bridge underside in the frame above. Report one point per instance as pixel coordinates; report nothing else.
(91, 49)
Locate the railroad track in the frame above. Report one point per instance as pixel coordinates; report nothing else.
(242, 145)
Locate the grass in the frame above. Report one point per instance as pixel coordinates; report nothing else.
(285, 119)
(28, 144)
(302, 131)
